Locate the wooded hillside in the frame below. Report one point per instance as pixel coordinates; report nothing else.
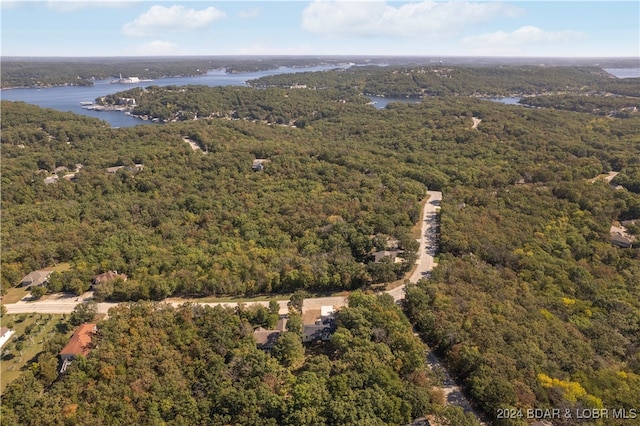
(531, 304)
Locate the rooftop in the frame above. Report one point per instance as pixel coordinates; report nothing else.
(35, 278)
(79, 344)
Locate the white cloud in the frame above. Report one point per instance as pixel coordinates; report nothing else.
(436, 19)
(501, 42)
(161, 19)
(156, 48)
(73, 5)
(249, 13)
(10, 4)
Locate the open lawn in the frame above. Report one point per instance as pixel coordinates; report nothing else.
(31, 330)
(14, 295)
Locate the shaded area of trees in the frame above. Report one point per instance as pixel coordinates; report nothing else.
(200, 365)
(612, 106)
(530, 305)
(196, 224)
(448, 80)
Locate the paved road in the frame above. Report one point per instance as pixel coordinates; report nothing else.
(63, 304)
(452, 392)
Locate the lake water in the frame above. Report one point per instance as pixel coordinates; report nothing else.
(624, 72)
(381, 102)
(68, 98)
(510, 100)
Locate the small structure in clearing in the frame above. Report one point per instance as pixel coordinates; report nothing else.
(108, 276)
(621, 238)
(258, 164)
(379, 256)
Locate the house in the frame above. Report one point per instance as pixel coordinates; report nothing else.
(79, 344)
(134, 168)
(322, 328)
(258, 164)
(622, 241)
(379, 256)
(266, 339)
(35, 278)
(5, 335)
(108, 276)
(51, 179)
(620, 237)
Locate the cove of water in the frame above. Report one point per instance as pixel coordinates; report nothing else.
(624, 72)
(510, 100)
(380, 102)
(68, 98)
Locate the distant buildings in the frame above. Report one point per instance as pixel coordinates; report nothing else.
(379, 256)
(621, 238)
(134, 168)
(320, 328)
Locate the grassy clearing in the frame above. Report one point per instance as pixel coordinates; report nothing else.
(31, 330)
(14, 295)
(60, 267)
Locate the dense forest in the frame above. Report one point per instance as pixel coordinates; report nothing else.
(611, 106)
(198, 224)
(530, 305)
(442, 80)
(153, 364)
(273, 105)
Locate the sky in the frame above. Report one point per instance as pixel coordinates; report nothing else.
(570, 28)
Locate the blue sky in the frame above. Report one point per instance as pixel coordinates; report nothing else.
(321, 27)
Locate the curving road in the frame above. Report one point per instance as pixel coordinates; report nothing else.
(64, 304)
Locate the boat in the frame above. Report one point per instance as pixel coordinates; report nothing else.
(126, 80)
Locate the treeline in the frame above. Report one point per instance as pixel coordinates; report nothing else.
(276, 106)
(442, 80)
(612, 106)
(200, 365)
(83, 71)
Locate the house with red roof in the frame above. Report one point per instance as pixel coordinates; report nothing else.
(79, 344)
